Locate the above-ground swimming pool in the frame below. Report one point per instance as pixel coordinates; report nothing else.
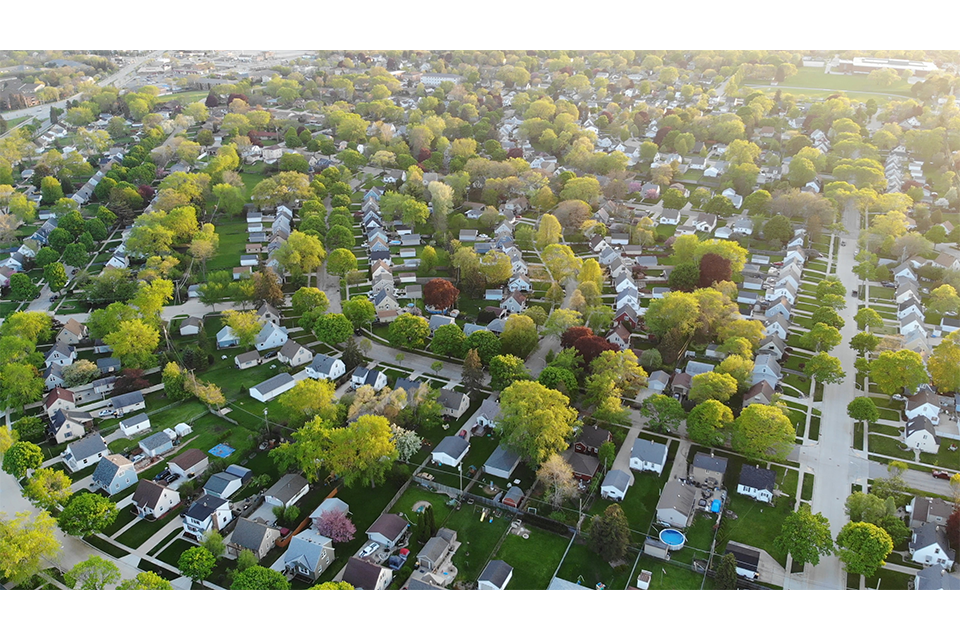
(673, 538)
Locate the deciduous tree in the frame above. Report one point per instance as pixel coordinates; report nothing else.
(534, 421)
(25, 543)
(893, 371)
(196, 563)
(763, 432)
(556, 476)
(21, 457)
(825, 369)
(48, 488)
(259, 579)
(863, 547)
(145, 581)
(712, 385)
(87, 513)
(92, 574)
(336, 525)
(409, 331)
(709, 422)
(663, 413)
(805, 536)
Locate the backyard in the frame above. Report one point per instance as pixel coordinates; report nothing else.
(534, 559)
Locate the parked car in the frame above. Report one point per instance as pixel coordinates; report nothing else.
(368, 550)
(940, 473)
(173, 478)
(138, 457)
(162, 475)
(106, 412)
(854, 293)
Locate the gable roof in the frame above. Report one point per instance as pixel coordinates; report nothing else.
(453, 446)
(648, 450)
(189, 458)
(389, 525)
(758, 478)
(250, 534)
(710, 463)
(323, 363)
(306, 548)
(618, 479)
(593, 436)
(287, 487)
(127, 399)
(362, 574)
(87, 446)
(496, 573)
(450, 399)
(204, 506)
(148, 493)
(108, 467)
(290, 349)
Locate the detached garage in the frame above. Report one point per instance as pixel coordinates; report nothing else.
(270, 389)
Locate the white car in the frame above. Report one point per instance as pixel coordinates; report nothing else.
(368, 550)
(106, 412)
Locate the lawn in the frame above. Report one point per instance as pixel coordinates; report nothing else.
(889, 580)
(171, 555)
(807, 491)
(943, 458)
(757, 524)
(888, 447)
(815, 78)
(415, 494)
(533, 559)
(141, 532)
(123, 518)
(671, 577)
(590, 569)
(478, 540)
(640, 503)
(233, 240)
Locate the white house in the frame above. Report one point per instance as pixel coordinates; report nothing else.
(924, 403)
(271, 337)
(919, 433)
(227, 338)
(153, 499)
(326, 367)
(190, 326)
(615, 484)
(757, 483)
(495, 576)
(135, 424)
(648, 456)
(246, 360)
(669, 216)
(388, 530)
(677, 504)
(451, 451)
(928, 546)
(287, 490)
(294, 354)
(270, 389)
(85, 452)
(207, 513)
(372, 377)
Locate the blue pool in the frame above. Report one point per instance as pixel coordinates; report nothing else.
(221, 450)
(715, 506)
(673, 538)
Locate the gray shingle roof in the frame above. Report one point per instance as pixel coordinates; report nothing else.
(305, 549)
(362, 574)
(127, 399)
(710, 463)
(249, 534)
(758, 478)
(154, 441)
(389, 525)
(218, 482)
(323, 364)
(618, 479)
(148, 493)
(287, 487)
(204, 506)
(648, 451)
(88, 446)
(453, 446)
(108, 467)
(496, 572)
(273, 383)
(502, 459)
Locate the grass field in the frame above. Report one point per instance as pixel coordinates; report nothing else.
(583, 564)
(478, 539)
(533, 559)
(815, 83)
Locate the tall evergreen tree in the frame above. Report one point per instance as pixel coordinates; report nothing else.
(472, 373)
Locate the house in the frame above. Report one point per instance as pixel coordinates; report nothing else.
(628, 299)
(704, 222)
(615, 484)
(247, 360)
(520, 283)
(128, 402)
(135, 424)
(384, 301)
(934, 578)
(919, 433)
(156, 445)
(85, 452)
(294, 354)
(450, 451)
(757, 483)
(108, 365)
(514, 303)
(928, 546)
(676, 505)
(438, 550)
(584, 466)
(501, 463)
(330, 504)
(453, 402)
(189, 463)
(590, 439)
(695, 368)
(207, 513)
(53, 377)
(495, 576)
(366, 576)
(773, 345)
(59, 399)
(372, 377)
(780, 306)
(786, 290)
(681, 383)
(513, 497)
(708, 468)
(762, 393)
(154, 500)
(437, 321)
(626, 316)
(648, 456)
(226, 338)
(947, 261)
(257, 537)
(923, 510)
(66, 426)
(271, 336)
(270, 389)
(669, 216)
(326, 367)
(468, 235)
(908, 307)
(103, 386)
(308, 555)
(61, 353)
(906, 290)
(191, 326)
(658, 381)
(777, 325)
(113, 474)
(748, 560)
(388, 530)
(287, 490)
(924, 403)
(766, 369)
(72, 332)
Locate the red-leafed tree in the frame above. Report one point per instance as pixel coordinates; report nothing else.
(440, 294)
(571, 335)
(146, 192)
(212, 99)
(953, 529)
(591, 346)
(130, 380)
(237, 96)
(714, 268)
(335, 525)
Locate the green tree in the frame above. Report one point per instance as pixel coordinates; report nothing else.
(133, 343)
(944, 363)
(30, 428)
(548, 231)
(87, 513)
(259, 579)
(505, 370)
(684, 277)
(709, 422)
(309, 299)
(21, 457)
(22, 287)
(825, 369)
(561, 262)
(360, 312)
(196, 563)
(92, 574)
(712, 385)
(763, 432)
(726, 575)
(146, 581)
(863, 409)
(864, 342)
(213, 542)
(535, 421)
(663, 413)
(486, 344)
(25, 542)
(805, 536)
(519, 336)
(409, 331)
(893, 371)
(448, 340)
(307, 399)
(472, 377)
(333, 328)
(48, 488)
(863, 547)
(609, 534)
(867, 318)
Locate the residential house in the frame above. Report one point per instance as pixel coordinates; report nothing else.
(520, 283)
(486, 415)
(450, 451)
(778, 325)
(669, 216)
(128, 402)
(308, 555)
(85, 452)
(366, 576)
(748, 559)
(626, 316)
(113, 474)
(590, 439)
(907, 289)
(757, 483)
(66, 426)
(372, 377)
(72, 332)
(134, 424)
(920, 434)
(287, 490)
(615, 484)
(191, 326)
(912, 323)
(226, 338)
(189, 463)
(584, 466)
(226, 483)
(501, 463)
(388, 530)
(62, 354)
(294, 354)
(514, 303)
(760, 393)
(781, 306)
(924, 403)
(59, 399)
(156, 444)
(658, 381)
(934, 578)
(454, 403)
(154, 500)
(108, 365)
(270, 389)
(437, 321)
(773, 345)
(326, 367)
(677, 504)
(330, 504)
(207, 513)
(708, 468)
(786, 290)
(257, 537)
(766, 369)
(680, 385)
(908, 307)
(928, 546)
(247, 360)
(53, 377)
(271, 337)
(384, 301)
(438, 550)
(495, 576)
(923, 510)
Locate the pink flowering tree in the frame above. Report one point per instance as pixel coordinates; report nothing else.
(335, 525)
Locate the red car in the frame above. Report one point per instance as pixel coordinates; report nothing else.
(939, 473)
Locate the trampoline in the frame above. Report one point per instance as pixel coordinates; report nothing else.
(221, 450)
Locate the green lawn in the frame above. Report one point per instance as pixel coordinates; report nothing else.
(533, 559)
(815, 78)
(889, 580)
(807, 490)
(478, 539)
(583, 564)
(171, 555)
(415, 494)
(670, 576)
(233, 240)
(888, 447)
(123, 518)
(640, 503)
(141, 532)
(757, 524)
